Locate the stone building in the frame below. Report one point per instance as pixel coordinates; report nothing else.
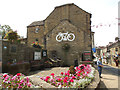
(65, 33)
(114, 51)
(0, 49)
(0, 53)
(15, 54)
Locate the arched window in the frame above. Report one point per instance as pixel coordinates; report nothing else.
(36, 30)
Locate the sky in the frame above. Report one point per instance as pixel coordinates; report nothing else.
(18, 14)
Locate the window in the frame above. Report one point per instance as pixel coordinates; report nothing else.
(36, 30)
(37, 55)
(4, 47)
(13, 49)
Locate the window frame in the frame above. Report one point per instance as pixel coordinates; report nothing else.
(37, 55)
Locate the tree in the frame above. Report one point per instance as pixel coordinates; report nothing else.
(116, 39)
(4, 29)
(11, 35)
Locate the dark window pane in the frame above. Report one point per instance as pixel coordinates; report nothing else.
(13, 49)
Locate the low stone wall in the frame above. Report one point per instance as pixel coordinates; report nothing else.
(17, 68)
(95, 82)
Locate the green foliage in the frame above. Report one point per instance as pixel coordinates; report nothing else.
(4, 29)
(116, 38)
(11, 35)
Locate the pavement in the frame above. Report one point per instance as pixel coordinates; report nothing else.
(110, 78)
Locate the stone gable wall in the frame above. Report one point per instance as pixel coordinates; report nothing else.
(76, 46)
(65, 18)
(32, 36)
(77, 16)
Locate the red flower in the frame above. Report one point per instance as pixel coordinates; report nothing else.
(65, 81)
(18, 74)
(59, 79)
(52, 74)
(68, 71)
(62, 73)
(68, 74)
(78, 74)
(4, 75)
(27, 79)
(71, 80)
(79, 71)
(48, 77)
(65, 73)
(66, 78)
(76, 68)
(73, 77)
(87, 72)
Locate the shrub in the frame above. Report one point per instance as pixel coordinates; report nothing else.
(72, 70)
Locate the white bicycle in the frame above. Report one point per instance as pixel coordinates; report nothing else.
(65, 37)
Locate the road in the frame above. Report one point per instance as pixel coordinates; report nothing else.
(111, 78)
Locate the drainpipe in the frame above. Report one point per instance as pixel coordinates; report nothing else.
(44, 41)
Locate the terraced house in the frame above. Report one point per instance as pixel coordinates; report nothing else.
(65, 33)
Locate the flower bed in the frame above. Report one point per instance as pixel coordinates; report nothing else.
(82, 77)
(36, 44)
(17, 81)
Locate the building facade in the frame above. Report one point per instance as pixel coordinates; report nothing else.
(110, 52)
(119, 19)
(65, 33)
(114, 51)
(0, 49)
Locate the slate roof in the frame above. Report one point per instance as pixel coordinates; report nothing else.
(36, 23)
